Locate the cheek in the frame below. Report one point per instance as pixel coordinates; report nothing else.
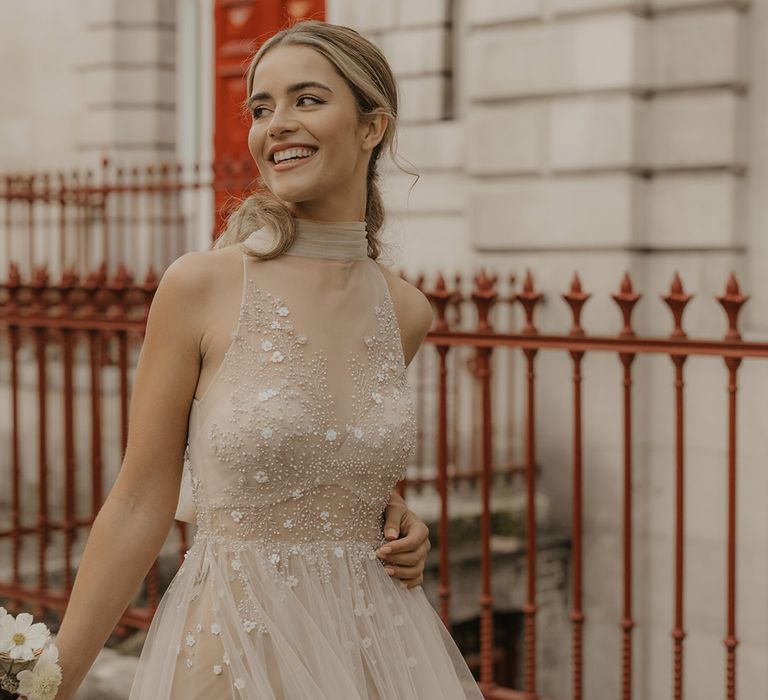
(255, 143)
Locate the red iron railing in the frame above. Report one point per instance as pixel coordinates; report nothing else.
(100, 318)
(626, 346)
(137, 215)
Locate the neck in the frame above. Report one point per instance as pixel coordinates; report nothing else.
(341, 240)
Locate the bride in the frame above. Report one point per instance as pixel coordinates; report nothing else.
(297, 424)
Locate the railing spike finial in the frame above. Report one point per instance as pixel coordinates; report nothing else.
(484, 295)
(528, 299)
(576, 299)
(528, 281)
(626, 284)
(732, 302)
(677, 300)
(626, 300)
(440, 296)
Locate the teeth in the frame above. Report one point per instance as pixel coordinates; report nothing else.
(292, 153)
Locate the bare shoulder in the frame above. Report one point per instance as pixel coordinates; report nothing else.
(413, 310)
(196, 277)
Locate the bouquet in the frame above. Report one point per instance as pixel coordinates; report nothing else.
(28, 667)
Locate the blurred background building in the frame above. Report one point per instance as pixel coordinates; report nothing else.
(601, 136)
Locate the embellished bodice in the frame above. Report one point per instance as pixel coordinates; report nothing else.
(309, 420)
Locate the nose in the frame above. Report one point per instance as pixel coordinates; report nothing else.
(280, 124)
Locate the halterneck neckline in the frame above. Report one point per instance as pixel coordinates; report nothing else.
(339, 240)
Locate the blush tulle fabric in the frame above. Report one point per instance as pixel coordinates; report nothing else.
(293, 450)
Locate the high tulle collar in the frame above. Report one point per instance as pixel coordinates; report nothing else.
(342, 240)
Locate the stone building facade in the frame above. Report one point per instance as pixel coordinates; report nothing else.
(591, 135)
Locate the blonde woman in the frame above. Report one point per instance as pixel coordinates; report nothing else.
(299, 423)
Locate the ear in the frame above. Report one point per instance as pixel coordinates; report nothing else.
(373, 130)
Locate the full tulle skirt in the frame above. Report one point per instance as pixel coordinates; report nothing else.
(317, 621)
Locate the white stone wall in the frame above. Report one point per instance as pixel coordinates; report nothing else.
(597, 135)
(87, 78)
(604, 136)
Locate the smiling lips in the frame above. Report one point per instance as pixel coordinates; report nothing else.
(292, 158)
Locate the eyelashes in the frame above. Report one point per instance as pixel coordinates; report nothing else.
(256, 114)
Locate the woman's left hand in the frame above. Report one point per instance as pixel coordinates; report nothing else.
(405, 554)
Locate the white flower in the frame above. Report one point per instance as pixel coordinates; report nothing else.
(266, 432)
(339, 552)
(266, 345)
(236, 566)
(288, 524)
(326, 526)
(302, 339)
(225, 658)
(199, 627)
(377, 397)
(366, 642)
(3, 612)
(377, 309)
(236, 515)
(382, 431)
(239, 683)
(277, 356)
(189, 662)
(275, 324)
(190, 640)
(292, 581)
(283, 311)
(330, 435)
(295, 549)
(261, 477)
(274, 558)
(43, 680)
(217, 669)
(325, 515)
(215, 628)
(368, 341)
(297, 493)
(265, 395)
(19, 637)
(358, 432)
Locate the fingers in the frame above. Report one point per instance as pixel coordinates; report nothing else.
(410, 576)
(393, 516)
(413, 539)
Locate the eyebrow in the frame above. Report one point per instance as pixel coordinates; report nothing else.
(296, 87)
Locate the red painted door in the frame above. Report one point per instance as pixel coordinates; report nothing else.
(241, 26)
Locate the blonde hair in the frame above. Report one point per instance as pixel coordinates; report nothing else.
(366, 71)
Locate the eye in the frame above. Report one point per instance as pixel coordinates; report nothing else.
(256, 111)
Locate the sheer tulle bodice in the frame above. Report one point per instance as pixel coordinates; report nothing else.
(293, 450)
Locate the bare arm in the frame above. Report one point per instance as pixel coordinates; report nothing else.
(136, 517)
(406, 553)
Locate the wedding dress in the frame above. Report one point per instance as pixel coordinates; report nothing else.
(293, 450)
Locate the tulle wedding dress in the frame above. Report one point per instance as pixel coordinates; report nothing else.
(292, 453)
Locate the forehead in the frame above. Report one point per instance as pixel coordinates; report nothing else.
(287, 64)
